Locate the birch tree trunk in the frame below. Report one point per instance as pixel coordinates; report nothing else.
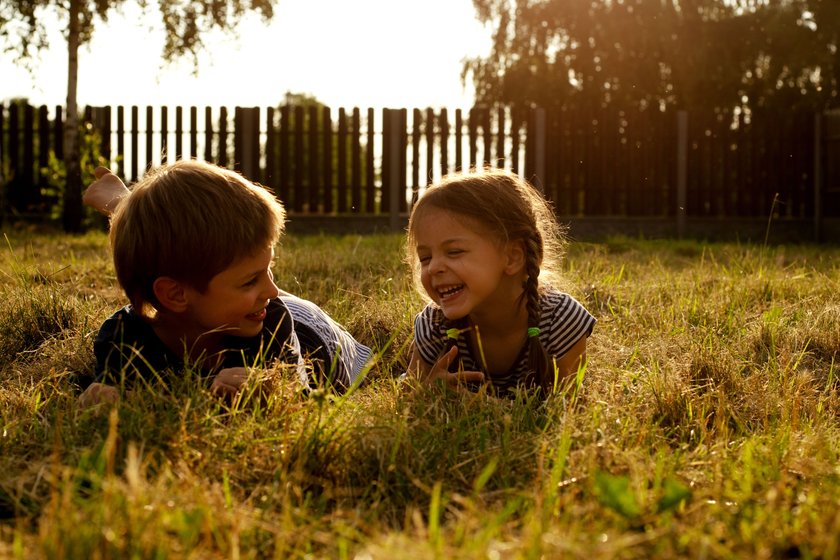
(73, 187)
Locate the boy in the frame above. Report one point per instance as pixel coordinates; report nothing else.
(192, 246)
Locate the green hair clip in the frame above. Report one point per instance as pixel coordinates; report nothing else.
(453, 333)
(533, 331)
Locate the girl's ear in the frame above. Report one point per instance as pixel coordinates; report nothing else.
(515, 253)
(170, 293)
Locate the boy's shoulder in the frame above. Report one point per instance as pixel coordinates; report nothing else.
(124, 323)
(127, 339)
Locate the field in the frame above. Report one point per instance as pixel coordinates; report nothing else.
(705, 424)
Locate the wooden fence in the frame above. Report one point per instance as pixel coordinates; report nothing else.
(589, 162)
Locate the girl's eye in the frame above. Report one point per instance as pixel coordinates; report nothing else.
(424, 260)
(249, 283)
(453, 252)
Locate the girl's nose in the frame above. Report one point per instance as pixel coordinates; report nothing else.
(436, 264)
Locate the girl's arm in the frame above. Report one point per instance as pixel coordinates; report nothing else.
(568, 364)
(418, 367)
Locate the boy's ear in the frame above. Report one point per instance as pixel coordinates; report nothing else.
(515, 257)
(170, 293)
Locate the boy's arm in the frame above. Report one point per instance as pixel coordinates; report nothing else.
(106, 193)
(98, 393)
(229, 381)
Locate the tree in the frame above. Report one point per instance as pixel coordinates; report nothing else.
(184, 22)
(660, 53)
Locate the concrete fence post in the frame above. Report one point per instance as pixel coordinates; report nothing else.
(818, 210)
(248, 136)
(682, 171)
(537, 175)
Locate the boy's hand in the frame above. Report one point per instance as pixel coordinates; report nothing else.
(229, 381)
(98, 393)
(106, 192)
(456, 380)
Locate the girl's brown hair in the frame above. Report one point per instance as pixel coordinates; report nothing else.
(511, 209)
(189, 220)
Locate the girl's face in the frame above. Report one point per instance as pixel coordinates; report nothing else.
(463, 268)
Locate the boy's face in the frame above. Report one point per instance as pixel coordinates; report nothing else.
(235, 299)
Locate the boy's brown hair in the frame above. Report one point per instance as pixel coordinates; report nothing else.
(189, 220)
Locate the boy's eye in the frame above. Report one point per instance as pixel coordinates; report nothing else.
(251, 282)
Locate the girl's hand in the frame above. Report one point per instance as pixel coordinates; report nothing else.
(229, 381)
(457, 380)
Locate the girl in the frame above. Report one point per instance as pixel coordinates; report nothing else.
(483, 246)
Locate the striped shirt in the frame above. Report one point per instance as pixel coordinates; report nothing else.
(337, 357)
(563, 322)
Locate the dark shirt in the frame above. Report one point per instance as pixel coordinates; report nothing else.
(127, 347)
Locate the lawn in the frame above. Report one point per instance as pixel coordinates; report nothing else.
(705, 424)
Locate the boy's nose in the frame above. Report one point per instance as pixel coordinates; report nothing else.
(271, 289)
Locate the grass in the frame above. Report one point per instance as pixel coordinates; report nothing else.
(706, 426)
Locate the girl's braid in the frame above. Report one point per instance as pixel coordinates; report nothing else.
(538, 361)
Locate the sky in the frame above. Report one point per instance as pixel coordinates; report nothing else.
(361, 53)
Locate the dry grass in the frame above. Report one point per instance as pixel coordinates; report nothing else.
(706, 427)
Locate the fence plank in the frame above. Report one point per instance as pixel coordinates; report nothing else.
(473, 137)
(270, 171)
(298, 195)
(342, 160)
(515, 131)
(402, 157)
(370, 187)
(443, 125)
(43, 147)
(121, 157)
(459, 127)
(28, 170)
(487, 138)
(222, 159)
(16, 186)
(500, 137)
(193, 132)
(208, 134)
(285, 155)
(179, 132)
(415, 155)
(327, 133)
(314, 183)
(355, 163)
(430, 146)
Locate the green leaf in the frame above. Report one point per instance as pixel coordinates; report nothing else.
(674, 494)
(614, 492)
